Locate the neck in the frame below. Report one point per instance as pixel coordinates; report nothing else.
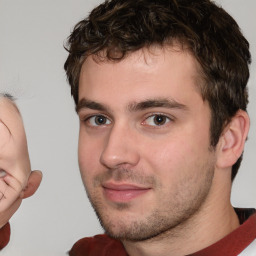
(214, 220)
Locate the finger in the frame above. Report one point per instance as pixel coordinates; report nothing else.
(34, 181)
(10, 190)
(13, 183)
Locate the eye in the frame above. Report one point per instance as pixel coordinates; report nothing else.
(98, 120)
(157, 120)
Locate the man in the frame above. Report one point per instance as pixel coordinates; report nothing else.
(160, 90)
(16, 179)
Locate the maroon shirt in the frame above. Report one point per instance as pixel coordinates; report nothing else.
(231, 245)
(103, 245)
(5, 233)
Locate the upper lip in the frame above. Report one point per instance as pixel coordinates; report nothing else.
(123, 186)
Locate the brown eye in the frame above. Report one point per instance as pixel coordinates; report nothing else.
(157, 120)
(98, 120)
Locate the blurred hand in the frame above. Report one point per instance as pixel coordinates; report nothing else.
(16, 179)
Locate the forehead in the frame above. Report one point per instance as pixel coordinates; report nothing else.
(153, 69)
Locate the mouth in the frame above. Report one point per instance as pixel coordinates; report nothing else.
(123, 192)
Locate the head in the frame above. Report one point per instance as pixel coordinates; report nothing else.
(14, 158)
(115, 29)
(123, 50)
(16, 179)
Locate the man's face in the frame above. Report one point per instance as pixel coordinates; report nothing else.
(144, 150)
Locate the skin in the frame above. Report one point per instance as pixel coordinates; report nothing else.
(145, 155)
(16, 181)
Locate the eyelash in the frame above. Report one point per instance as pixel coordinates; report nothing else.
(87, 120)
(166, 119)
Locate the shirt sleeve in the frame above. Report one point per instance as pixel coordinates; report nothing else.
(5, 233)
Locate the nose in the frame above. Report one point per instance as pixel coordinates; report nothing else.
(120, 148)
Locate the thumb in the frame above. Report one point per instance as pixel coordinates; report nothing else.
(34, 181)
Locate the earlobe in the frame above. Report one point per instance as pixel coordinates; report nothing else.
(232, 140)
(34, 181)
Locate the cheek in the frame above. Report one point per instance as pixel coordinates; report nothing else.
(4, 136)
(89, 151)
(167, 149)
(20, 141)
(171, 157)
(14, 157)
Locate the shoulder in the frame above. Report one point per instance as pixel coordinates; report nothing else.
(99, 245)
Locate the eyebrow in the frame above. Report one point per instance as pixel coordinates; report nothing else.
(8, 96)
(133, 106)
(84, 103)
(156, 103)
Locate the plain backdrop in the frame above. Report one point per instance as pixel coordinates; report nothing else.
(32, 34)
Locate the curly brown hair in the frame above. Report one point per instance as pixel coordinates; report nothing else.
(120, 27)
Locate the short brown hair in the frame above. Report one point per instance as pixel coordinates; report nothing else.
(119, 27)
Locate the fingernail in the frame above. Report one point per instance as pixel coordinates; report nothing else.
(2, 173)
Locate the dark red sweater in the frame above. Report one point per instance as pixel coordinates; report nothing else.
(102, 245)
(5, 233)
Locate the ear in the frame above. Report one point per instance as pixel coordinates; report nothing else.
(34, 181)
(231, 143)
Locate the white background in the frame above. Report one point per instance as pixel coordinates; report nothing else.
(32, 33)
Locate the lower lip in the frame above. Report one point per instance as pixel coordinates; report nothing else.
(123, 195)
